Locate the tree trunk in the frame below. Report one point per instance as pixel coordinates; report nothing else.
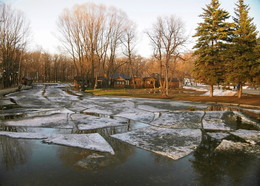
(239, 90)
(211, 91)
(166, 81)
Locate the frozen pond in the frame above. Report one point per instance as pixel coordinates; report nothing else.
(51, 135)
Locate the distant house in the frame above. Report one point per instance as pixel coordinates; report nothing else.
(103, 81)
(78, 81)
(174, 83)
(189, 81)
(119, 82)
(136, 82)
(149, 82)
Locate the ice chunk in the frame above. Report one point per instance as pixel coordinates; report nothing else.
(227, 145)
(248, 135)
(137, 115)
(173, 143)
(24, 135)
(179, 120)
(246, 119)
(151, 109)
(88, 122)
(213, 121)
(218, 135)
(55, 120)
(230, 145)
(86, 141)
(97, 109)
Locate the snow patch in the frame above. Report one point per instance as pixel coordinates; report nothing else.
(220, 92)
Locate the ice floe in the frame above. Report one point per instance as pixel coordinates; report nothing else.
(151, 108)
(24, 135)
(218, 135)
(136, 114)
(213, 120)
(190, 119)
(173, 143)
(227, 145)
(55, 120)
(246, 119)
(88, 122)
(97, 109)
(92, 141)
(248, 135)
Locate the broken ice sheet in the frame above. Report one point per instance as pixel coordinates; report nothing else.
(177, 119)
(92, 141)
(97, 109)
(248, 135)
(136, 114)
(55, 120)
(151, 108)
(24, 135)
(173, 143)
(213, 120)
(227, 145)
(88, 122)
(218, 135)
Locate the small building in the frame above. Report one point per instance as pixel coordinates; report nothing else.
(149, 82)
(174, 83)
(136, 82)
(119, 82)
(78, 82)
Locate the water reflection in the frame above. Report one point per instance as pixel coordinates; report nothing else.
(13, 152)
(229, 167)
(94, 161)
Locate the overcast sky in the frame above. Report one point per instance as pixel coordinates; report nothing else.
(43, 15)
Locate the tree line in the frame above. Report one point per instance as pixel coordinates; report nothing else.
(228, 52)
(100, 41)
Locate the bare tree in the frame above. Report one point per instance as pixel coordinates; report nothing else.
(129, 42)
(167, 37)
(14, 32)
(92, 34)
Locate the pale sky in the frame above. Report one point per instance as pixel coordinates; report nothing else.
(43, 15)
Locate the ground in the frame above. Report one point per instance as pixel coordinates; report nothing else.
(180, 95)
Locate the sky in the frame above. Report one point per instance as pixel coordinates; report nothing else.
(43, 16)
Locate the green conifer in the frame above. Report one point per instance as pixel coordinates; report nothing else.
(212, 34)
(242, 65)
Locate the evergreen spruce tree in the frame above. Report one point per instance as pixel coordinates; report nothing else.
(213, 35)
(243, 64)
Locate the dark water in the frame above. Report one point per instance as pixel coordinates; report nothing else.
(31, 162)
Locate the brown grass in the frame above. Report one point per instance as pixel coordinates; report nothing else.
(180, 95)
